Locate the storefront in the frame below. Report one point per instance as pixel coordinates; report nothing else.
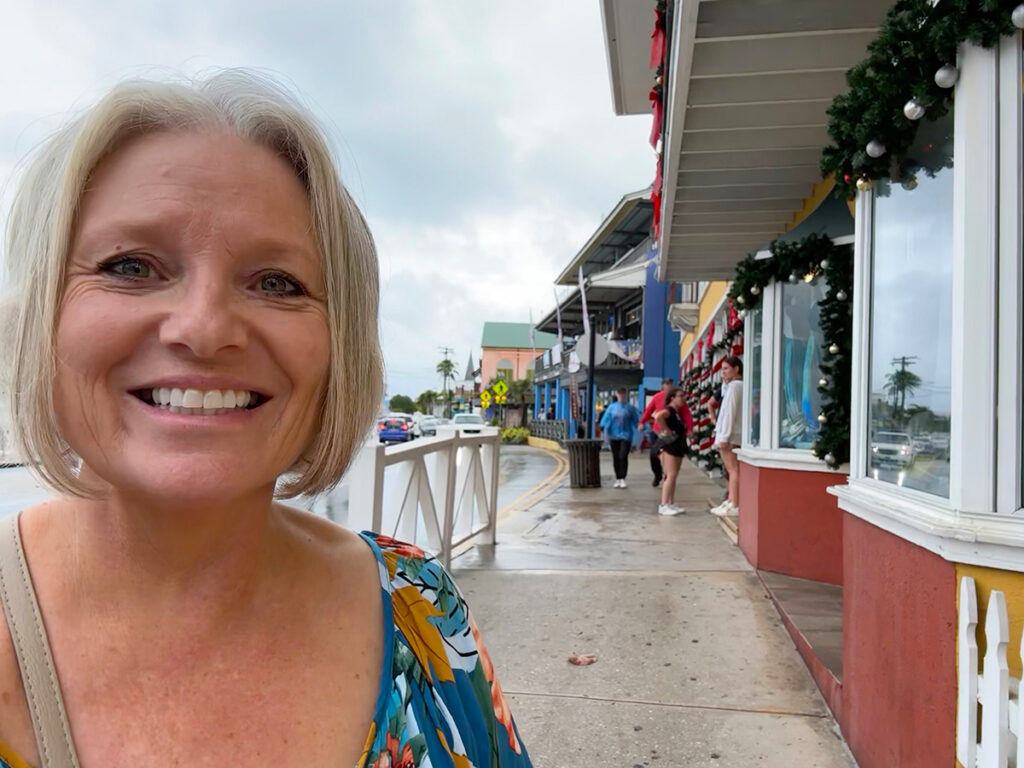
(917, 513)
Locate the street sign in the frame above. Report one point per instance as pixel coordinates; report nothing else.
(501, 388)
(485, 399)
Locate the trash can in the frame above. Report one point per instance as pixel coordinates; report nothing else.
(584, 463)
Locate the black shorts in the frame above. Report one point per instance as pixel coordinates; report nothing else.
(675, 447)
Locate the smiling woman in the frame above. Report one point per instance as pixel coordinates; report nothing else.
(193, 314)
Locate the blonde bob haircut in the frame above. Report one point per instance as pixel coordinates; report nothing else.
(43, 219)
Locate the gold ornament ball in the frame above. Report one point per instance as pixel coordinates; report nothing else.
(834, 349)
(910, 183)
(822, 418)
(740, 300)
(755, 290)
(863, 183)
(822, 383)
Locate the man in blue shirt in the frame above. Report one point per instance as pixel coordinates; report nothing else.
(619, 425)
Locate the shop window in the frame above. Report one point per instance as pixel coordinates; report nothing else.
(911, 303)
(752, 373)
(800, 357)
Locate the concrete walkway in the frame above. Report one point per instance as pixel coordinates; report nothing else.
(694, 666)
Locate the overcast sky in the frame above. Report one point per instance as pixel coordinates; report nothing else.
(478, 137)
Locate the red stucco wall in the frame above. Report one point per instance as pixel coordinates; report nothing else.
(899, 651)
(790, 524)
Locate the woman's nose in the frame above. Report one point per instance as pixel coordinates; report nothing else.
(204, 319)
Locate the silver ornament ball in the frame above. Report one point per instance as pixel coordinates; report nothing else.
(740, 300)
(833, 349)
(913, 109)
(875, 148)
(822, 418)
(830, 459)
(823, 383)
(755, 290)
(946, 76)
(1017, 17)
(841, 295)
(793, 277)
(824, 263)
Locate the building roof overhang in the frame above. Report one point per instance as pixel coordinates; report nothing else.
(600, 299)
(749, 85)
(627, 28)
(622, 230)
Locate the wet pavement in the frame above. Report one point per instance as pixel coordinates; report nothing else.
(694, 666)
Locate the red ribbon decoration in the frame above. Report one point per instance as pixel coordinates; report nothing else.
(658, 39)
(659, 115)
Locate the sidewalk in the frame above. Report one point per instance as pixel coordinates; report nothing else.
(694, 665)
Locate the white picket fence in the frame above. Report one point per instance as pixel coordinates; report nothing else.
(437, 493)
(998, 694)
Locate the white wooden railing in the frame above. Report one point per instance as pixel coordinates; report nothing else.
(437, 493)
(999, 694)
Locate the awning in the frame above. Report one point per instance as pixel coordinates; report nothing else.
(626, 227)
(747, 95)
(629, 276)
(832, 218)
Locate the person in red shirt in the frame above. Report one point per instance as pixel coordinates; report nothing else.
(658, 404)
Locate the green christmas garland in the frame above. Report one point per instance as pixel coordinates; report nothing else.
(808, 259)
(909, 73)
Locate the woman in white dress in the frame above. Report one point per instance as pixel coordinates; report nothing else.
(728, 431)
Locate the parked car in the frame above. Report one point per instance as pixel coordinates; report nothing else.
(469, 423)
(428, 425)
(396, 428)
(892, 448)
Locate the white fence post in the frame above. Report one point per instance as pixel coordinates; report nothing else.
(366, 488)
(967, 676)
(1000, 696)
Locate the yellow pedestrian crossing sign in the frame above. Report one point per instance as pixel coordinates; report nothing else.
(485, 399)
(501, 388)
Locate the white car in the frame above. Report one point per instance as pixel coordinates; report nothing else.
(469, 423)
(893, 448)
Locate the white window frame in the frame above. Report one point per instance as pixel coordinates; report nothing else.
(769, 454)
(970, 526)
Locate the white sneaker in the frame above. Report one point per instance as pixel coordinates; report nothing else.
(670, 510)
(616, 483)
(622, 483)
(721, 510)
(733, 509)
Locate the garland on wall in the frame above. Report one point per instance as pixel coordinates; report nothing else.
(699, 383)
(659, 54)
(909, 73)
(809, 259)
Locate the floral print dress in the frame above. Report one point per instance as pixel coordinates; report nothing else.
(439, 705)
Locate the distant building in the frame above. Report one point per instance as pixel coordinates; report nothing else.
(507, 350)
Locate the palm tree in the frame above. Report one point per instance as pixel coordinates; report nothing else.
(898, 384)
(447, 370)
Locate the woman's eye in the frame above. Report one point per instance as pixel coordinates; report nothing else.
(279, 285)
(130, 268)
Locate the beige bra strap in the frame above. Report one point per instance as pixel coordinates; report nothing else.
(42, 689)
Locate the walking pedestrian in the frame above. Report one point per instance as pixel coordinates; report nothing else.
(619, 424)
(728, 432)
(671, 448)
(656, 404)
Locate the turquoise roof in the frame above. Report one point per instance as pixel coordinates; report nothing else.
(514, 336)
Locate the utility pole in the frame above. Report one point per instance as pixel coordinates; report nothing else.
(446, 351)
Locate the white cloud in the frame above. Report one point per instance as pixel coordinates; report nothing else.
(478, 137)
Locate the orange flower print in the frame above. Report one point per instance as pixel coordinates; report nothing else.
(400, 548)
(390, 757)
(502, 712)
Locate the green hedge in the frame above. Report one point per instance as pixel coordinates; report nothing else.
(515, 435)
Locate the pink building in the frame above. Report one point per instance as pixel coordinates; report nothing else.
(508, 351)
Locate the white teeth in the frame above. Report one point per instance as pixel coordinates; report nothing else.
(209, 403)
(192, 398)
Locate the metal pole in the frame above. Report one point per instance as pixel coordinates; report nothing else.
(591, 394)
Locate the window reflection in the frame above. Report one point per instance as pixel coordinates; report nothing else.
(752, 348)
(800, 362)
(911, 303)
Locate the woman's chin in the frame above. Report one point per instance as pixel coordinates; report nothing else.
(205, 481)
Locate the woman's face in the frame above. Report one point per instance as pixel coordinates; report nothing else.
(728, 372)
(678, 400)
(192, 339)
